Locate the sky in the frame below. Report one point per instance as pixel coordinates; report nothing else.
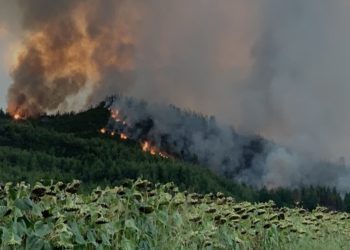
(5, 79)
(9, 41)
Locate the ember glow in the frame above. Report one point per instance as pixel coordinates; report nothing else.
(17, 117)
(115, 114)
(149, 148)
(123, 136)
(146, 147)
(126, 133)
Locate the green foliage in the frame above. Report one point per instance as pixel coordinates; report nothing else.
(54, 148)
(141, 215)
(69, 146)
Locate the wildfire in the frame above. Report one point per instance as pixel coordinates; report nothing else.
(123, 136)
(147, 147)
(115, 115)
(48, 71)
(17, 117)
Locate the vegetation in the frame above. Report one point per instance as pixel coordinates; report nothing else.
(140, 215)
(179, 212)
(69, 146)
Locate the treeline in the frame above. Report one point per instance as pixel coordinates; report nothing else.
(66, 147)
(306, 197)
(34, 150)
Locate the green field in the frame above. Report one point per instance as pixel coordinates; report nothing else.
(141, 215)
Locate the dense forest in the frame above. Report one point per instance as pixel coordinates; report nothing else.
(70, 146)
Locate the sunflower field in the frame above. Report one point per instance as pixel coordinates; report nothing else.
(143, 215)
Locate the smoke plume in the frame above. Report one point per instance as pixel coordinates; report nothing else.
(69, 47)
(276, 68)
(200, 139)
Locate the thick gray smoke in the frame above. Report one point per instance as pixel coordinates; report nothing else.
(279, 69)
(276, 68)
(289, 84)
(197, 138)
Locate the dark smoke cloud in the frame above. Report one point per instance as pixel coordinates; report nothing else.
(201, 139)
(33, 92)
(278, 68)
(290, 84)
(39, 13)
(70, 47)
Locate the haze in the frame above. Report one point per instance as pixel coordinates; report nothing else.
(276, 68)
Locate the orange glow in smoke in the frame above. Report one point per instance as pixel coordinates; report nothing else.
(17, 117)
(146, 147)
(123, 136)
(78, 61)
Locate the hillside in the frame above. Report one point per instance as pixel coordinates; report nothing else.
(70, 146)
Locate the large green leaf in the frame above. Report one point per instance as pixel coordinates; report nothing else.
(79, 239)
(24, 204)
(19, 228)
(3, 211)
(91, 238)
(34, 242)
(9, 238)
(41, 229)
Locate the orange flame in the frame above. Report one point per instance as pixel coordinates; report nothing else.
(103, 130)
(17, 117)
(146, 147)
(61, 68)
(115, 115)
(123, 136)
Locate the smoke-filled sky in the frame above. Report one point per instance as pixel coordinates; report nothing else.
(277, 68)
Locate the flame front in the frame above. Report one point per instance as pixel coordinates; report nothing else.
(121, 128)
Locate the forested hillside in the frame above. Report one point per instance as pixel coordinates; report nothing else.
(70, 146)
